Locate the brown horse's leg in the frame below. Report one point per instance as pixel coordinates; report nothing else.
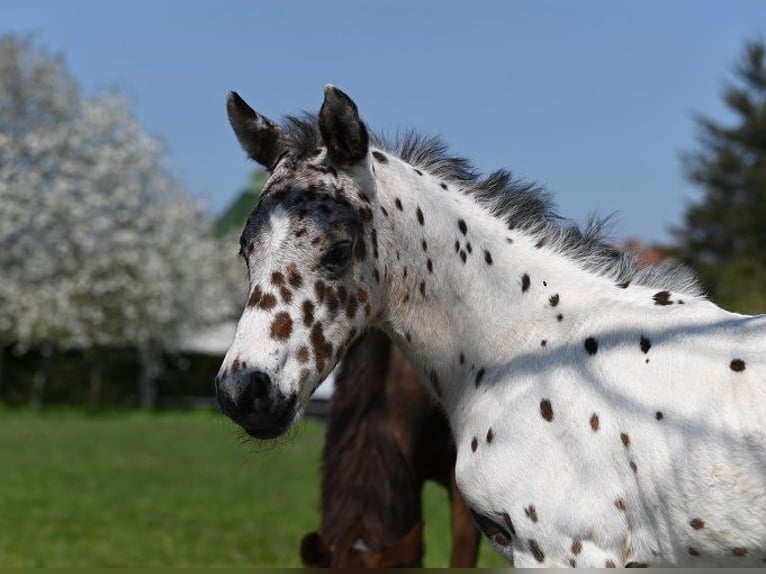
(465, 535)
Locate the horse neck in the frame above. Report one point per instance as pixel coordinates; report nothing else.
(464, 291)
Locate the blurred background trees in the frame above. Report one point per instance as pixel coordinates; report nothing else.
(99, 246)
(724, 234)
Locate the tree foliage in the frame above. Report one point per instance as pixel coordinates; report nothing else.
(724, 235)
(233, 218)
(99, 246)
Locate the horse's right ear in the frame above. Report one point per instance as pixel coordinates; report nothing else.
(259, 136)
(314, 553)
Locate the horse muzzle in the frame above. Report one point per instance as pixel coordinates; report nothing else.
(251, 401)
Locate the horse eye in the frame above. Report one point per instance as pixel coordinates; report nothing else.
(338, 255)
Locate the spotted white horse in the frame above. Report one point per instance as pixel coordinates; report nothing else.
(604, 415)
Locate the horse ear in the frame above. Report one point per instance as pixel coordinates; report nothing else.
(406, 551)
(259, 136)
(342, 130)
(314, 553)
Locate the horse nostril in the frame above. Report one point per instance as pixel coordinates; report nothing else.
(258, 384)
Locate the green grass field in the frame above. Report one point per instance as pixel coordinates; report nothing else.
(165, 489)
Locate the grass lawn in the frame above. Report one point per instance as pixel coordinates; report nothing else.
(165, 489)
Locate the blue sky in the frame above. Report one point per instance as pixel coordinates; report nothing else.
(594, 99)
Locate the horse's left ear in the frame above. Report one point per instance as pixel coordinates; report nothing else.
(343, 132)
(258, 135)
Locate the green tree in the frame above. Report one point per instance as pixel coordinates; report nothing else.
(724, 235)
(233, 218)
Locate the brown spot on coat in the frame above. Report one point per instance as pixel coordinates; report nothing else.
(479, 376)
(351, 306)
(421, 219)
(303, 355)
(625, 439)
(594, 422)
(534, 548)
(576, 547)
(693, 551)
(423, 288)
(277, 278)
(490, 436)
(546, 410)
(294, 278)
(286, 294)
(525, 283)
(474, 444)
(374, 241)
(308, 313)
(554, 300)
(255, 296)
(633, 466)
(321, 346)
(620, 504)
(361, 294)
(531, 512)
(320, 289)
(697, 523)
(737, 365)
(662, 298)
(268, 301)
(282, 326)
(739, 551)
(332, 299)
(430, 266)
(610, 564)
(365, 213)
(645, 344)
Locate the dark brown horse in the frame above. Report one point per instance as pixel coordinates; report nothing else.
(385, 438)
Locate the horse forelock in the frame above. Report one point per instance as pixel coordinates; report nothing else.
(522, 205)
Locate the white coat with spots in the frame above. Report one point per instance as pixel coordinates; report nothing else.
(604, 415)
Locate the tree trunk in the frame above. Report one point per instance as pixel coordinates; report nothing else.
(151, 367)
(2, 362)
(40, 378)
(95, 379)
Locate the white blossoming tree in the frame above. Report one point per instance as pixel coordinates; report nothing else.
(98, 245)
